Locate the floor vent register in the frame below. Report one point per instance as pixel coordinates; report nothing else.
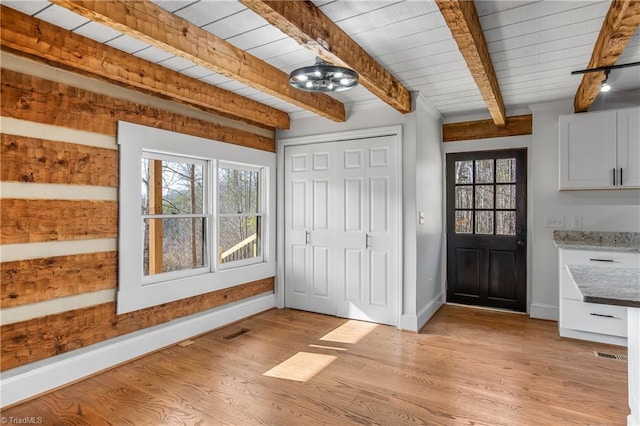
(611, 356)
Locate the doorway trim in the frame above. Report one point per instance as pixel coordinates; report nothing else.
(482, 246)
(395, 131)
(512, 142)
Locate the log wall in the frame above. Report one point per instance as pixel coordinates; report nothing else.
(59, 211)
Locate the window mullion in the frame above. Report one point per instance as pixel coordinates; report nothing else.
(213, 212)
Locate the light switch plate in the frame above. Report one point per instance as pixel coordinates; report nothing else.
(576, 221)
(554, 222)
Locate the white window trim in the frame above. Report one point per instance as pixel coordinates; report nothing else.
(133, 141)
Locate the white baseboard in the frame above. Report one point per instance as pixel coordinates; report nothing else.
(542, 311)
(28, 381)
(416, 322)
(428, 311)
(408, 322)
(592, 337)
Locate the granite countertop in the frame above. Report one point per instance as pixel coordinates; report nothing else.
(608, 286)
(598, 240)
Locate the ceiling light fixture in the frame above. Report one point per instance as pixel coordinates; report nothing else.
(605, 86)
(323, 77)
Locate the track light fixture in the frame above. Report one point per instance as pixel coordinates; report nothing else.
(323, 77)
(604, 85)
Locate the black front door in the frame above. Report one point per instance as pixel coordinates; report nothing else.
(487, 228)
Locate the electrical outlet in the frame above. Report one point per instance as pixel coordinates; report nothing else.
(576, 222)
(554, 222)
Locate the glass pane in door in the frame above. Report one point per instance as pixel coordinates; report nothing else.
(464, 172)
(484, 171)
(505, 223)
(505, 170)
(464, 197)
(484, 222)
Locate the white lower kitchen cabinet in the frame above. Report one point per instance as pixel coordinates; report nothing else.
(591, 321)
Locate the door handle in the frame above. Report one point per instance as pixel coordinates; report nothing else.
(520, 243)
(620, 176)
(307, 237)
(614, 176)
(366, 241)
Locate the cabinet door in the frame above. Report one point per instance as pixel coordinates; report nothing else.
(629, 147)
(587, 150)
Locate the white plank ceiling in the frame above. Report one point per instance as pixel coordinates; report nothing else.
(534, 46)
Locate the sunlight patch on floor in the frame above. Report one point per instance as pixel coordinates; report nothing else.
(350, 332)
(301, 367)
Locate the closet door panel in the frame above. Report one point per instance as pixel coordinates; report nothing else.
(321, 278)
(379, 281)
(297, 276)
(379, 204)
(354, 275)
(353, 204)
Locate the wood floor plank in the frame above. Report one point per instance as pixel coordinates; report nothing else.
(466, 366)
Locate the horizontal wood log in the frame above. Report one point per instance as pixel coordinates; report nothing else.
(36, 160)
(36, 280)
(30, 221)
(32, 98)
(25, 35)
(29, 341)
(482, 129)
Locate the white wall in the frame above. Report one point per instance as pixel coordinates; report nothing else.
(601, 210)
(414, 313)
(430, 280)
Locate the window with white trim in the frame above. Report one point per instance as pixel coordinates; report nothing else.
(196, 216)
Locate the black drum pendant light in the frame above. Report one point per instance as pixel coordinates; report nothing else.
(323, 77)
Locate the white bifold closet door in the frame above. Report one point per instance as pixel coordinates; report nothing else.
(342, 228)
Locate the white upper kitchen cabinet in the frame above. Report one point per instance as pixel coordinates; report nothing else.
(629, 146)
(600, 150)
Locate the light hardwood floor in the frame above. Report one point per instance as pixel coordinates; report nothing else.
(467, 366)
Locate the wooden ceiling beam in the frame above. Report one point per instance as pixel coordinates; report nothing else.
(150, 23)
(462, 19)
(306, 24)
(517, 125)
(619, 25)
(33, 37)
